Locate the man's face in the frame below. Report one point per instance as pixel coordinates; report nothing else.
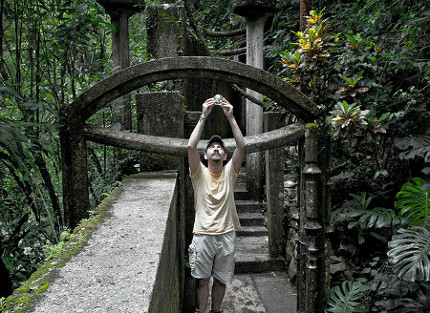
(215, 153)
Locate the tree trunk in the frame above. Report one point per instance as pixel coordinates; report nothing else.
(6, 283)
(2, 69)
(305, 8)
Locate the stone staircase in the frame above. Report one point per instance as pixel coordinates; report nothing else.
(252, 241)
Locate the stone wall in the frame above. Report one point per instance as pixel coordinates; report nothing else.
(291, 227)
(168, 288)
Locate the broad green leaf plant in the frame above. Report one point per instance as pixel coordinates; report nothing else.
(346, 298)
(413, 201)
(410, 254)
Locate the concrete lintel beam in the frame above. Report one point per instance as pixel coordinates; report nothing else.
(252, 9)
(119, 7)
(178, 146)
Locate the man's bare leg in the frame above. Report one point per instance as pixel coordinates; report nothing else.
(218, 291)
(202, 293)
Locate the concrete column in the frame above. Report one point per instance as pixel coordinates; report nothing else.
(74, 161)
(254, 112)
(121, 60)
(120, 13)
(275, 160)
(314, 227)
(256, 13)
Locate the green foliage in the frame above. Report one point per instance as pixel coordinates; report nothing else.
(51, 51)
(52, 250)
(410, 254)
(309, 62)
(413, 201)
(366, 219)
(27, 219)
(414, 148)
(347, 298)
(347, 117)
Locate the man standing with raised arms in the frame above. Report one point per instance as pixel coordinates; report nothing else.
(212, 251)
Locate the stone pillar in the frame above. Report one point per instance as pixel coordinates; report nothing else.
(120, 11)
(314, 226)
(291, 228)
(275, 164)
(166, 29)
(301, 248)
(256, 13)
(160, 114)
(121, 60)
(74, 163)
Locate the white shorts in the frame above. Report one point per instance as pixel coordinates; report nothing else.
(213, 255)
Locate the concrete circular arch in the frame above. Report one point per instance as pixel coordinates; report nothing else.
(129, 79)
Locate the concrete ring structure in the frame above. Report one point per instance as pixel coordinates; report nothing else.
(129, 79)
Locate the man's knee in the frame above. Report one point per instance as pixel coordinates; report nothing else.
(203, 282)
(219, 283)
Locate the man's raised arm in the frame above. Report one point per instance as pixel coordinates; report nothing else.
(239, 152)
(193, 153)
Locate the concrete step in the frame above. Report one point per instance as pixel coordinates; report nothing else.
(241, 194)
(252, 256)
(251, 219)
(247, 206)
(251, 231)
(240, 190)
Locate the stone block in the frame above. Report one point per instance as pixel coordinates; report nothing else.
(160, 114)
(166, 30)
(292, 213)
(292, 269)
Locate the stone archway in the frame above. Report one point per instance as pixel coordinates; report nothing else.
(73, 140)
(313, 199)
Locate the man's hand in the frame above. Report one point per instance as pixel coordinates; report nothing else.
(227, 107)
(207, 107)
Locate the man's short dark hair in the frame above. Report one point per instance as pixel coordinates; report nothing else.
(215, 138)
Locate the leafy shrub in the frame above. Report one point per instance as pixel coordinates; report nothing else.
(366, 219)
(347, 298)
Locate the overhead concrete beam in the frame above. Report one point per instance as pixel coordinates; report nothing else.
(129, 79)
(178, 146)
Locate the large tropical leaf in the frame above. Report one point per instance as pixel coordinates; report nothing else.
(346, 298)
(360, 215)
(410, 254)
(413, 201)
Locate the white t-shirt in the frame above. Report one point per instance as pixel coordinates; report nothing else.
(214, 200)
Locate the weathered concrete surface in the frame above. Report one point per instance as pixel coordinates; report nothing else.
(178, 146)
(168, 122)
(260, 293)
(198, 67)
(166, 30)
(116, 270)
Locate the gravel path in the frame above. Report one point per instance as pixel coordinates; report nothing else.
(116, 270)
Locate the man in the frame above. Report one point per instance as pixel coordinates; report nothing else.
(212, 250)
